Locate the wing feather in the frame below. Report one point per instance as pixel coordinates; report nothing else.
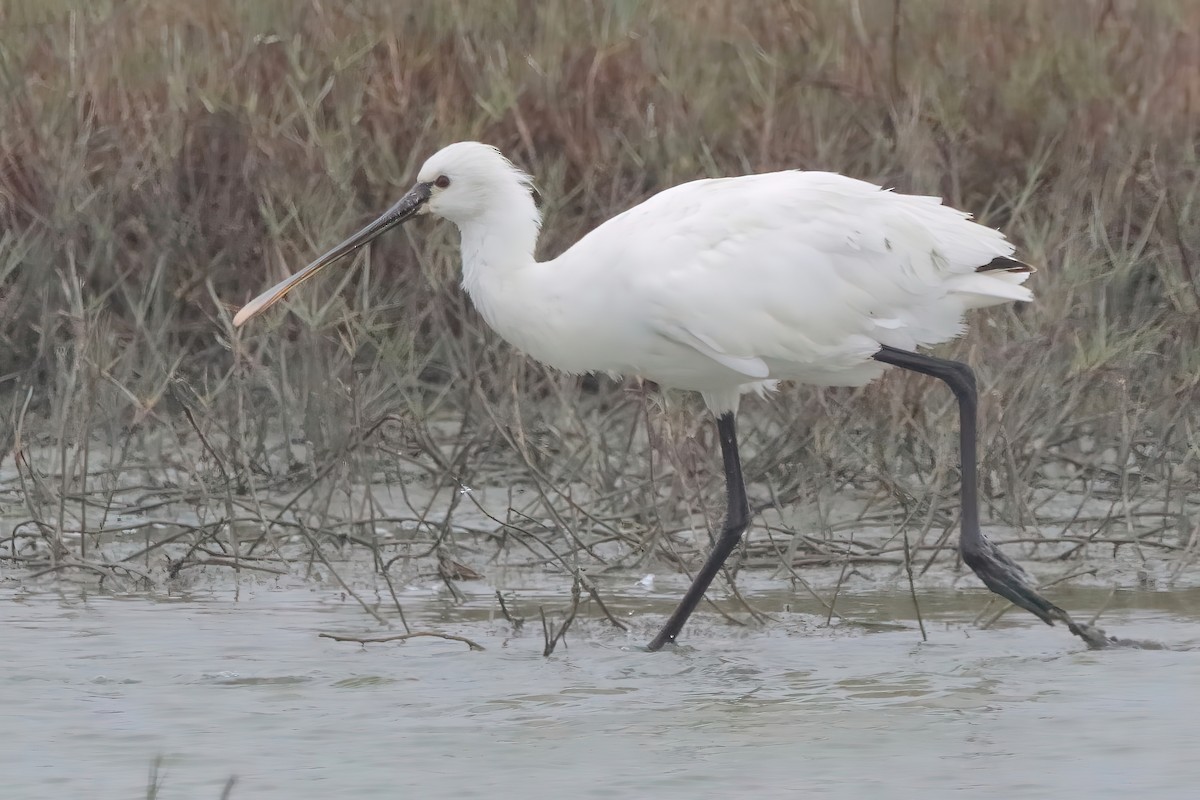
(807, 268)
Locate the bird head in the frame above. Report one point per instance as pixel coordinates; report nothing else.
(467, 180)
(461, 182)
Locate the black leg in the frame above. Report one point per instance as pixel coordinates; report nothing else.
(998, 572)
(737, 517)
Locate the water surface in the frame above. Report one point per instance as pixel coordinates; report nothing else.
(94, 687)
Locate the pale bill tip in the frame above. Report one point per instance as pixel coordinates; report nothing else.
(248, 311)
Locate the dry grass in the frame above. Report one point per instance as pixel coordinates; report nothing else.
(160, 162)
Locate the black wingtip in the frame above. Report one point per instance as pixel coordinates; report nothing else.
(1006, 264)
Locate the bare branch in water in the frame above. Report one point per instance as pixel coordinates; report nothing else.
(401, 637)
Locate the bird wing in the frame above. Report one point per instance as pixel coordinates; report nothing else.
(749, 366)
(801, 268)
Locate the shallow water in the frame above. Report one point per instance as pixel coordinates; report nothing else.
(95, 687)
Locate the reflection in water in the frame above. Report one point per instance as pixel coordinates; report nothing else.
(94, 689)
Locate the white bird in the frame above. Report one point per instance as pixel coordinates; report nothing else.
(726, 286)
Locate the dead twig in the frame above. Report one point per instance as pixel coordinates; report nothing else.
(401, 637)
(179, 566)
(516, 622)
(912, 588)
(553, 640)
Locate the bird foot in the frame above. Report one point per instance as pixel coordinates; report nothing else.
(1095, 638)
(1008, 579)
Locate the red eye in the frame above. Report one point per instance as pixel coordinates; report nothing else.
(442, 182)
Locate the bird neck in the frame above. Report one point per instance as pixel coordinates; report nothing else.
(498, 243)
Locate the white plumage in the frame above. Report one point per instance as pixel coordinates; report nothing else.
(724, 286)
(727, 286)
(720, 286)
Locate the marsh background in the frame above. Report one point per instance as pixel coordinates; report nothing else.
(162, 162)
(183, 508)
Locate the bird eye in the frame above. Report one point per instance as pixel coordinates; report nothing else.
(442, 182)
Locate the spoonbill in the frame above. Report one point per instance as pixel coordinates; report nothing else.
(727, 286)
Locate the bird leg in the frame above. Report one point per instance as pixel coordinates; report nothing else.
(998, 572)
(737, 517)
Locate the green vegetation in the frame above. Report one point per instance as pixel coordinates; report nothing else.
(162, 162)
